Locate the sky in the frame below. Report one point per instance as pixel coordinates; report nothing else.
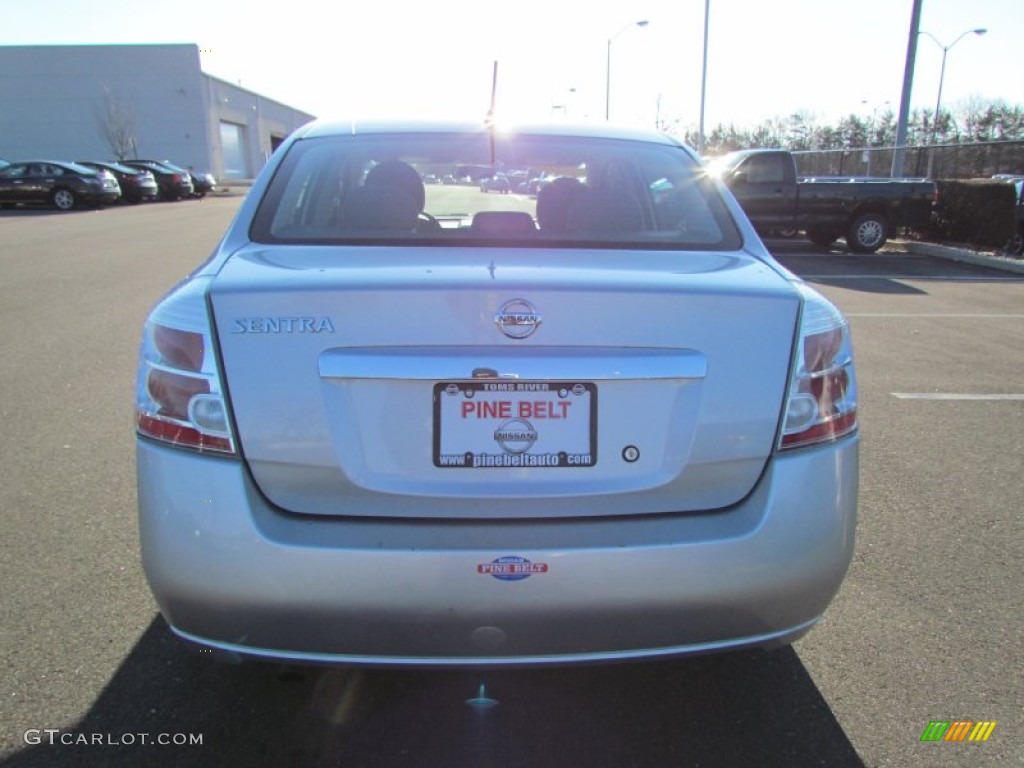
(402, 58)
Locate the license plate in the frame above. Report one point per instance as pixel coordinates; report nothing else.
(515, 424)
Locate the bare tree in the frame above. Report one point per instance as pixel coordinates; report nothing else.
(115, 122)
(798, 130)
(976, 120)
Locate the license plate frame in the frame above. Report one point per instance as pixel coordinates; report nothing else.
(514, 424)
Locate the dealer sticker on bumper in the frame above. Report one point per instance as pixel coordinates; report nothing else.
(511, 568)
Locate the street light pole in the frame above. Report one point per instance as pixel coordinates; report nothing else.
(608, 66)
(703, 81)
(942, 72)
(899, 146)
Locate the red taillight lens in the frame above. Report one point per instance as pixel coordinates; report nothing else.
(821, 348)
(822, 403)
(182, 349)
(173, 392)
(178, 395)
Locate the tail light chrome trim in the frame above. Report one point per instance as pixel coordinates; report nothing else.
(179, 395)
(822, 401)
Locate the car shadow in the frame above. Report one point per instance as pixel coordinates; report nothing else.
(836, 266)
(746, 708)
(841, 269)
(889, 271)
(880, 285)
(25, 211)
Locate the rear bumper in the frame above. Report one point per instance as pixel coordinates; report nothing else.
(93, 197)
(232, 573)
(171, 190)
(142, 192)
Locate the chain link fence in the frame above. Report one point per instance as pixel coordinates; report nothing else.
(938, 161)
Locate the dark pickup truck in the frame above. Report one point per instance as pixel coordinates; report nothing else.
(863, 210)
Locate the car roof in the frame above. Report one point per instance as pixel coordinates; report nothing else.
(329, 127)
(70, 164)
(107, 164)
(164, 163)
(151, 164)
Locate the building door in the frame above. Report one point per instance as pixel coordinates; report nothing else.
(232, 144)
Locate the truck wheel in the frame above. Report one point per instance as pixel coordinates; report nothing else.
(822, 237)
(867, 233)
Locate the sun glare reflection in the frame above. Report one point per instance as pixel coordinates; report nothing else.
(336, 694)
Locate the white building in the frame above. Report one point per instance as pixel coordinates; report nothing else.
(56, 102)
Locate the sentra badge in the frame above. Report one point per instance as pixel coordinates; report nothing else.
(282, 325)
(517, 318)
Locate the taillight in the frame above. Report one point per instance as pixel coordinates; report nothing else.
(178, 394)
(822, 403)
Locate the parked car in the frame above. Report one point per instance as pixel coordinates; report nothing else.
(532, 185)
(497, 183)
(604, 424)
(65, 185)
(864, 211)
(202, 183)
(173, 183)
(136, 185)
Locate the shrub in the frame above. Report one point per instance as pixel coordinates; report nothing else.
(975, 211)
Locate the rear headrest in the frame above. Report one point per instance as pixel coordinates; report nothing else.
(554, 201)
(397, 175)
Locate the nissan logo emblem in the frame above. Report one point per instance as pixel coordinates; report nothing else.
(517, 318)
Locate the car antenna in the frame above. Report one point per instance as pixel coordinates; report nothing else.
(494, 92)
(489, 120)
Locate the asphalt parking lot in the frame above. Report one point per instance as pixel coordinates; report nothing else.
(927, 626)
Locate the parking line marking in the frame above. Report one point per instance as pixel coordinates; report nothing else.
(960, 315)
(952, 396)
(945, 278)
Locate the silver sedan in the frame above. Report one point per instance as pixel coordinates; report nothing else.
(395, 424)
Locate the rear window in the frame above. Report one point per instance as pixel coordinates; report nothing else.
(522, 190)
(122, 168)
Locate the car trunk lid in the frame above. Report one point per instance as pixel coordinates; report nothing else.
(503, 383)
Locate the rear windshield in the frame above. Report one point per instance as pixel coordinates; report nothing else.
(452, 189)
(110, 167)
(123, 168)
